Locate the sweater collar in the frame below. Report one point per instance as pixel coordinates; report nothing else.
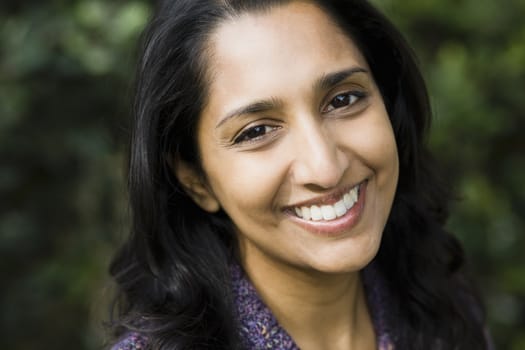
(259, 328)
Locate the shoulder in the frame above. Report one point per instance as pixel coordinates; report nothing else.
(131, 341)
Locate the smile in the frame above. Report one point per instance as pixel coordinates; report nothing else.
(331, 215)
(328, 212)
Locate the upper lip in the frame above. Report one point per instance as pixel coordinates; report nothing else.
(328, 199)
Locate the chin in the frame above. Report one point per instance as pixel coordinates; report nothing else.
(345, 261)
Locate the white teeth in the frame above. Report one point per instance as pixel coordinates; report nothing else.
(329, 212)
(353, 194)
(340, 208)
(316, 213)
(306, 213)
(349, 202)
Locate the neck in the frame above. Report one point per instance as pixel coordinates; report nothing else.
(319, 310)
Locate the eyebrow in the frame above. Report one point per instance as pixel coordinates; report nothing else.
(325, 82)
(329, 80)
(254, 107)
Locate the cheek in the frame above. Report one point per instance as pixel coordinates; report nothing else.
(245, 182)
(384, 148)
(372, 140)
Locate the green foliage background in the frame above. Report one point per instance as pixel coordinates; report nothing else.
(66, 70)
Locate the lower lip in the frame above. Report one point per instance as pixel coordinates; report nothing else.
(340, 225)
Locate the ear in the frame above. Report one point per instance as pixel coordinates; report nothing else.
(195, 186)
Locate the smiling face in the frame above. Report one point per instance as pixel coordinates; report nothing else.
(295, 142)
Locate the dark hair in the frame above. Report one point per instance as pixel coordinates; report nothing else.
(173, 271)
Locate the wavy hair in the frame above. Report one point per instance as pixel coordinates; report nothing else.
(172, 272)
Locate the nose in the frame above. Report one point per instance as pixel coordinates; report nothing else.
(319, 160)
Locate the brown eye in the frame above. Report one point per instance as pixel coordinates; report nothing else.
(254, 133)
(344, 100)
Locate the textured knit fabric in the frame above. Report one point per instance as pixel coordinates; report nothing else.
(132, 341)
(260, 330)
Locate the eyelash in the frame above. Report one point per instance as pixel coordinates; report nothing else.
(245, 137)
(355, 97)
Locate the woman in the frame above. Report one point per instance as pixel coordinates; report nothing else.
(281, 190)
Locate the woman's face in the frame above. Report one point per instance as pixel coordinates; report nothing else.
(296, 145)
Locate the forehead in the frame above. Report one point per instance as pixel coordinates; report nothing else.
(266, 53)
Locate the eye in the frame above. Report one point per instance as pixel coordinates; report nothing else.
(254, 133)
(345, 99)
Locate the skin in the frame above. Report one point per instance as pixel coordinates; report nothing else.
(305, 142)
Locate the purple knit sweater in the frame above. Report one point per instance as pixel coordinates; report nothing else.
(260, 330)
